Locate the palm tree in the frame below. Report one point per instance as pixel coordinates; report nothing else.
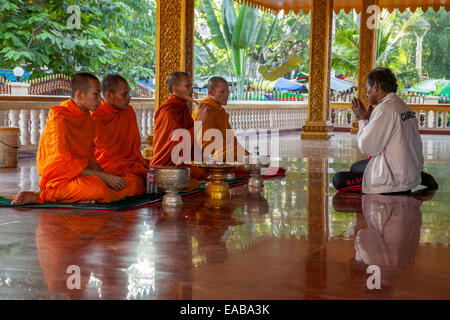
(388, 54)
(245, 36)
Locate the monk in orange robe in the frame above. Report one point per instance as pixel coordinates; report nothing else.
(218, 118)
(66, 161)
(174, 114)
(117, 138)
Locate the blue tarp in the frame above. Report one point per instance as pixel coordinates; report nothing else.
(284, 84)
(150, 83)
(11, 77)
(340, 85)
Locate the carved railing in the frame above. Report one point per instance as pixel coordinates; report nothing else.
(409, 98)
(59, 85)
(430, 117)
(267, 114)
(5, 86)
(342, 96)
(52, 85)
(142, 91)
(257, 94)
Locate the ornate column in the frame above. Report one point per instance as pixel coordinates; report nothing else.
(174, 48)
(189, 37)
(319, 70)
(174, 42)
(367, 50)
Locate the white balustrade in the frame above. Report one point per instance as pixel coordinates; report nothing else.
(34, 123)
(139, 119)
(13, 118)
(429, 117)
(144, 123)
(341, 118)
(24, 125)
(150, 115)
(43, 114)
(3, 118)
(433, 120)
(257, 117)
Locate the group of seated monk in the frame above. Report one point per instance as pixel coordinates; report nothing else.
(89, 150)
(90, 147)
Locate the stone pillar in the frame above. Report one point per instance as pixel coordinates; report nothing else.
(367, 52)
(174, 42)
(319, 70)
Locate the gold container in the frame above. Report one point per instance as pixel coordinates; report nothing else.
(217, 188)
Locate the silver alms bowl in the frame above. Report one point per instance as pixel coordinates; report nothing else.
(172, 180)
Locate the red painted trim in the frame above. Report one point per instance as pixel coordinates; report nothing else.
(443, 132)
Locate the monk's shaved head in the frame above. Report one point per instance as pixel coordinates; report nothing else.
(80, 81)
(111, 82)
(175, 79)
(214, 81)
(218, 90)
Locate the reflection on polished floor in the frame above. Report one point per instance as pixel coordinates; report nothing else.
(295, 240)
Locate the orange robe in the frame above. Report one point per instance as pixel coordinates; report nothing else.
(118, 141)
(66, 148)
(173, 114)
(217, 118)
(67, 240)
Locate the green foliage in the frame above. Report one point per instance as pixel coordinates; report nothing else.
(346, 51)
(290, 36)
(275, 38)
(236, 35)
(396, 45)
(214, 26)
(252, 38)
(114, 36)
(436, 44)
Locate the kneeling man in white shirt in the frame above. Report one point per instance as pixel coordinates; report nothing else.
(389, 135)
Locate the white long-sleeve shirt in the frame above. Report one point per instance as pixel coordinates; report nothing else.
(391, 137)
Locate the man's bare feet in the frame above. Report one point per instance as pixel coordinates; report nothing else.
(26, 197)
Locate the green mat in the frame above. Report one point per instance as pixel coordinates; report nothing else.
(143, 200)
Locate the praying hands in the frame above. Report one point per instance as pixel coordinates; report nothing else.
(358, 107)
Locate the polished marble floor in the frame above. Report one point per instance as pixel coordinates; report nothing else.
(296, 239)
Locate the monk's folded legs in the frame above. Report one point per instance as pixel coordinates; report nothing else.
(89, 187)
